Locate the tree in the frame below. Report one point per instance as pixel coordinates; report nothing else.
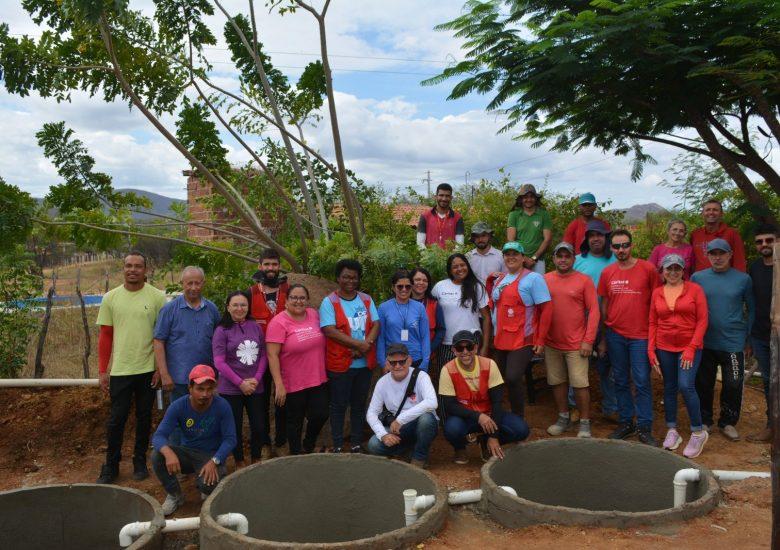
(159, 64)
(697, 75)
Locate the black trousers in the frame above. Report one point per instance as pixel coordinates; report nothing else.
(732, 368)
(280, 421)
(122, 390)
(191, 461)
(513, 365)
(312, 404)
(254, 410)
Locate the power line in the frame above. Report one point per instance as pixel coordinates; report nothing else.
(512, 163)
(335, 69)
(567, 170)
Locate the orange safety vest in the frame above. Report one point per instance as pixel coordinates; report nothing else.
(473, 400)
(511, 316)
(259, 309)
(338, 357)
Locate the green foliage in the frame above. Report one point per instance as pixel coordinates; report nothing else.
(198, 133)
(18, 323)
(16, 210)
(224, 273)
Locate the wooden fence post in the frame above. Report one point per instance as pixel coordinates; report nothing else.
(774, 399)
(87, 342)
(44, 327)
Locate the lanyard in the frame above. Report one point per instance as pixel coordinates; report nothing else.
(406, 312)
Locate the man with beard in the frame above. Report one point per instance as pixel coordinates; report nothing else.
(269, 295)
(484, 259)
(441, 223)
(761, 273)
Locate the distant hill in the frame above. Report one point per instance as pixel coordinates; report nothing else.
(638, 212)
(160, 203)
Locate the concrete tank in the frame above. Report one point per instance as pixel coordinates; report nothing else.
(599, 482)
(76, 517)
(322, 501)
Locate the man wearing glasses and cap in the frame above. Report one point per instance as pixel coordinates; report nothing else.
(402, 409)
(726, 343)
(575, 231)
(484, 259)
(471, 390)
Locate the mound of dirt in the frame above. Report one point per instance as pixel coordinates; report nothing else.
(318, 288)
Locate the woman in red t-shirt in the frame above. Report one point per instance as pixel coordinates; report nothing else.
(678, 321)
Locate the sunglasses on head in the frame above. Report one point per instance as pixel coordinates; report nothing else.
(403, 287)
(460, 348)
(397, 362)
(768, 240)
(618, 246)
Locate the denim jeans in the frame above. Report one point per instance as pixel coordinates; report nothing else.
(761, 352)
(629, 362)
(677, 378)
(418, 434)
(179, 390)
(191, 461)
(511, 428)
(348, 389)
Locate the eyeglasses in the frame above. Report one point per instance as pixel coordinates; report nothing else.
(403, 287)
(618, 246)
(297, 298)
(768, 240)
(397, 362)
(460, 348)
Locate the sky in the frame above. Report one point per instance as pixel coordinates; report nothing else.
(393, 129)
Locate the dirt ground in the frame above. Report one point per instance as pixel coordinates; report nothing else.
(58, 436)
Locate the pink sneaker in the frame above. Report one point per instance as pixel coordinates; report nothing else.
(672, 440)
(696, 444)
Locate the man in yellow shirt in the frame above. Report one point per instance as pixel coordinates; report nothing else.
(471, 390)
(126, 318)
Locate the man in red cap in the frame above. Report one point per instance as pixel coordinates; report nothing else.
(208, 435)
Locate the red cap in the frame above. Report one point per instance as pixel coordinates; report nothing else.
(201, 373)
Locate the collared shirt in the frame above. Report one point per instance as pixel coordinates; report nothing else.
(484, 264)
(530, 228)
(187, 334)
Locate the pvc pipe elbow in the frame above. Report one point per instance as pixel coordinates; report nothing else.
(235, 521)
(131, 531)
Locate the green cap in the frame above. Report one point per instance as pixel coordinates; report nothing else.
(513, 245)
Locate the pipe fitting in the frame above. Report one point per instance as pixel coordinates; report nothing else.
(138, 528)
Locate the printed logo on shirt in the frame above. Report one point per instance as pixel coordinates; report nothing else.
(621, 286)
(189, 422)
(412, 398)
(357, 323)
(247, 352)
(303, 334)
(537, 223)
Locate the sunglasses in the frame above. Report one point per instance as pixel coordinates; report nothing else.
(768, 240)
(460, 348)
(403, 287)
(397, 362)
(618, 246)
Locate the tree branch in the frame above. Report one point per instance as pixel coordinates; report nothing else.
(656, 139)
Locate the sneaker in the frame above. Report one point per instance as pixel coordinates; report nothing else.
(762, 436)
(561, 425)
(624, 430)
(336, 450)
(461, 457)
(730, 432)
(419, 463)
(140, 471)
(672, 440)
(696, 444)
(108, 474)
(357, 449)
(646, 436)
(266, 453)
(172, 503)
(584, 431)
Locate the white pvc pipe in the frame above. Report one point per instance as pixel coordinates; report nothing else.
(47, 382)
(414, 504)
(682, 477)
(138, 528)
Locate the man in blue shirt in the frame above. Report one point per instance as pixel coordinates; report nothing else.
(729, 293)
(594, 256)
(208, 435)
(182, 335)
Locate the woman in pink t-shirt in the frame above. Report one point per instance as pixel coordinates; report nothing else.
(296, 358)
(675, 244)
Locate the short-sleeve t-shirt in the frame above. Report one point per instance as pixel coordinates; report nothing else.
(457, 318)
(446, 386)
(356, 314)
(302, 355)
(529, 228)
(133, 315)
(592, 266)
(629, 292)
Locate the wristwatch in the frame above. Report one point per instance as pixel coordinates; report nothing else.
(215, 460)
(534, 258)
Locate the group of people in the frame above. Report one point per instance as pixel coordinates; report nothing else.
(448, 352)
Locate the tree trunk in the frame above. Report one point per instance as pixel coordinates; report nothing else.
(315, 187)
(44, 330)
(85, 323)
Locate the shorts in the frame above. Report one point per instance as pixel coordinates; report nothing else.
(566, 366)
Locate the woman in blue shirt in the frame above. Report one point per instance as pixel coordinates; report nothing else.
(404, 321)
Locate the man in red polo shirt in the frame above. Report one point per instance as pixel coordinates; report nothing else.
(715, 228)
(575, 231)
(441, 223)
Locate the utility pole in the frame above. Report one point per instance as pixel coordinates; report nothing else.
(428, 180)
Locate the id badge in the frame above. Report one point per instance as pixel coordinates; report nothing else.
(404, 335)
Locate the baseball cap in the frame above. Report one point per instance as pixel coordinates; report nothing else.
(587, 198)
(561, 246)
(464, 336)
(718, 244)
(201, 373)
(481, 227)
(397, 349)
(528, 188)
(672, 259)
(513, 245)
(598, 226)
